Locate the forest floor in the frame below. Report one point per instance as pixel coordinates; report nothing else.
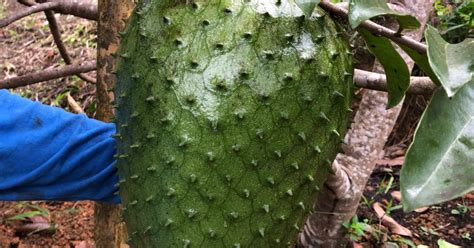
(27, 46)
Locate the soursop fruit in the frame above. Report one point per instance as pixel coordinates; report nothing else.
(229, 114)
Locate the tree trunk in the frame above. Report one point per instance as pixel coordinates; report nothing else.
(364, 143)
(109, 229)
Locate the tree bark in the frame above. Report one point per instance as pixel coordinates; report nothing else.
(364, 143)
(109, 229)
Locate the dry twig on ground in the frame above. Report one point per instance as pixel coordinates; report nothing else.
(46, 75)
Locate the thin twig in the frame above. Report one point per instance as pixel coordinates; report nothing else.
(53, 26)
(73, 104)
(26, 12)
(46, 75)
(375, 28)
(377, 81)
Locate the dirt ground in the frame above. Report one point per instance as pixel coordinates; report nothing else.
(452, 221)
(71, 224)
(27, 46)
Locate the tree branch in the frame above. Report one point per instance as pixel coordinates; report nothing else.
(375, 28)
(378, 81)
(69, 7)
(53, 26)
(45, 75)
(84, 9)
(26, 12)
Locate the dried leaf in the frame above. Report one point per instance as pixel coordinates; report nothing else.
(44, 227)
(84, 244)
(422, 209)
(396, 195)
(390, 222)
(356, 245)
(38, 219)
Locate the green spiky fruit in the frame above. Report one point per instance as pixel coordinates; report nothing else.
(229, 114)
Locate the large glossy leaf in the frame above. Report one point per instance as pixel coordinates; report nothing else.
(398, 75)
(362, 10)
(421, 59)
(452, 63)
(307, 6)
(439, 164)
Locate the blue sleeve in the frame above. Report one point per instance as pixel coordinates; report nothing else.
(47, 153)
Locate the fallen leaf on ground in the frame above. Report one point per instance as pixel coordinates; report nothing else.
(469, 195)
(421, 210)
(398, 196)
(35, 224)
(390, 222)
(43, 227)
(84, 244)
(356, 245)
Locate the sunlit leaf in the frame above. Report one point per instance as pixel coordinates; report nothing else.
(307, 6)
(445, 244)
(439, 165)
(398, 75)
(362, 10)
(453, 64)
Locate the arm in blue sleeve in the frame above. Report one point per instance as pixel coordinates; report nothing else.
(47, 153)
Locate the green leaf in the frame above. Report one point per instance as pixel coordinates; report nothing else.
(446, 244)
(421, 59)
(398, 75)
(307, 6)
(25, 215)
(453, 64)
(44, 211)
(362, 10)
(439, 164)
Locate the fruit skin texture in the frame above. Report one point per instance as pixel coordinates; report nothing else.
(228, 118)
